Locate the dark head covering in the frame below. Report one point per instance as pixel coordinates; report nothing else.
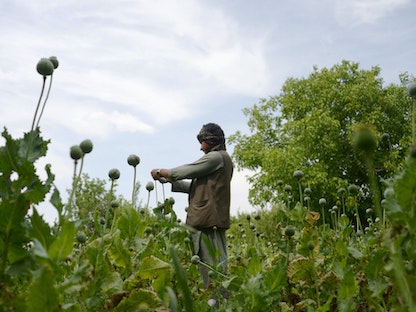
(212, 134)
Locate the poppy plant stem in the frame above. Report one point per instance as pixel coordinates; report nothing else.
(71, 195)
(44, 102)
(133, 195)
(39, 101)
(300, 193)
(157, 201)
(413, 122)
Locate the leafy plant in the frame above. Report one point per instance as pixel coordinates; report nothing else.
(105, 253)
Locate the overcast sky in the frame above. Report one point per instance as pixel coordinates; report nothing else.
(142, 77)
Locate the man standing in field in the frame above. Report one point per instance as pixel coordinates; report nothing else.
(209, 196)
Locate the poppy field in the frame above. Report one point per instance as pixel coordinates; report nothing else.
(106, 253)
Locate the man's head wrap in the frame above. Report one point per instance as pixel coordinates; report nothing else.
(212, 134)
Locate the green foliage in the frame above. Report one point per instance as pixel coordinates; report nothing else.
(103, 254)
(309, 125)
(42, 293)
(20, 187)
(93, 202)
(135, 259)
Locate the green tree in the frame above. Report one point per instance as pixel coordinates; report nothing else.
(310, 125)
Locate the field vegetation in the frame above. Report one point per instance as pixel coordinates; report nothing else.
(335, 229)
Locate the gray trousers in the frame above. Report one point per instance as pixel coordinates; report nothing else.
(210, 245)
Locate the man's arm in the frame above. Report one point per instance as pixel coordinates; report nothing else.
(207, 164)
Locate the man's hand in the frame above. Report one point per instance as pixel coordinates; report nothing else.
(160, 174)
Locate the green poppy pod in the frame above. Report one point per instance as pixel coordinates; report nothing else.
(411, 88)
(81, 237)
(114, 174)
(289, 231)
(342, 190)
(385, 137)
(365, 140)
(75, 152)
(54, 61)
(150, 186)
(388, 192)
(322, 202)
(86, 146)
(307, 191)
(298, 174)
(353, 189)
(45, 67)
(133, 160)
(171, 200)
(195, 259)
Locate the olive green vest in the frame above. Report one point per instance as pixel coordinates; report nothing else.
(209, 198)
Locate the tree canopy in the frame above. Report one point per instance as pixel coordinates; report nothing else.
(310, 126)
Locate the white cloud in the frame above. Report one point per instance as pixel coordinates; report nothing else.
(356, 12)
(238, 70)
(134, 94)
(123, 122)
(186, 36)
(92, 121)
(138, 58)
(135, 71)
(114, 48)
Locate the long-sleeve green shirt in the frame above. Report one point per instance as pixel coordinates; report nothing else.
(207, 164)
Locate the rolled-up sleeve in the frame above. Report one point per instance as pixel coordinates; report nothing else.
(181, 186)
